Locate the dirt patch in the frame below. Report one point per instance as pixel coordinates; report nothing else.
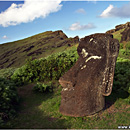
(52, 119)
(25, 90)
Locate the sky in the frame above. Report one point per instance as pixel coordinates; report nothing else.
(22, 19)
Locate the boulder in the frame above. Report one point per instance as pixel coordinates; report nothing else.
(126, 35)
(87, 83)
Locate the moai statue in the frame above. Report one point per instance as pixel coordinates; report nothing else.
(87, 83)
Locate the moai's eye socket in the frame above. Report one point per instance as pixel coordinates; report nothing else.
(84, 53)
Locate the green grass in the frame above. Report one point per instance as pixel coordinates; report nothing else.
(117, 35)
(41, 110)
(124, 51)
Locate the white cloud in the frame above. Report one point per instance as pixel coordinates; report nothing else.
(29, 11)
(81, 11)
(107, 12)
(78, 26)
(111, 11)
(5, 37)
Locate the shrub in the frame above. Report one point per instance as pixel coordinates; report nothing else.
(41, 87)
(7, 73)
(122, 75)
(49, 68)
(8, 99)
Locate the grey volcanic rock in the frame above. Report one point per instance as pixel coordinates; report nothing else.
(87, 83)
(126, 35)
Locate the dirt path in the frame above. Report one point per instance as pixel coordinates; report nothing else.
(25, 90)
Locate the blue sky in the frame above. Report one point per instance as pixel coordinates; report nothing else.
(21, 19)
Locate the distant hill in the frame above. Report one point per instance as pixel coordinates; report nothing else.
(14, 54)
(122, 33)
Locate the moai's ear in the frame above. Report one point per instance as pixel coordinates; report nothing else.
(110, 67)
(108, 81)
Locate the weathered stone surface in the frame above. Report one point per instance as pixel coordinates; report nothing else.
(126, 35)
(87, 83)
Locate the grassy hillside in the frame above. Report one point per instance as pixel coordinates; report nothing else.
(14, 54)
(40, 109)
(124, 46)
(40, 92)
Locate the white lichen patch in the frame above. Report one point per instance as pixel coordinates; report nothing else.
(64, 89)
(83, 67)
(93, 57)
(95, 42)
(91, 39)
(84, 53)
(67, 89)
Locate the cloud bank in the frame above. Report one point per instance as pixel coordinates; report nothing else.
(78, 26)
(29, 11)
(111, 11)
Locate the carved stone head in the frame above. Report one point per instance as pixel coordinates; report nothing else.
(91, 78)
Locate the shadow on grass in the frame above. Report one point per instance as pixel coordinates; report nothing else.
(38, 110)
(120, 85)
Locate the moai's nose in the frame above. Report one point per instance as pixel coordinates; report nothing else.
(68, 80)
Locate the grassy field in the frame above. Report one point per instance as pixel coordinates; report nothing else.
(41, 110)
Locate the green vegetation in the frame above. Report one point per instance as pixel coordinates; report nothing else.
(39, 110)
(40, 93)
(8, 99)
(41, 87)
(7, 73)
(117, 35)
(122, 75)
(14, 54)
(124, 46)
(49, 68)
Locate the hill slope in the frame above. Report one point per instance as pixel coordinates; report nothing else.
(14, 54)
(122, 33)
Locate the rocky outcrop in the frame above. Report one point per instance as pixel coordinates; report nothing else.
(119, 27)
(126, 35)
(87, 83)
(60, 33)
